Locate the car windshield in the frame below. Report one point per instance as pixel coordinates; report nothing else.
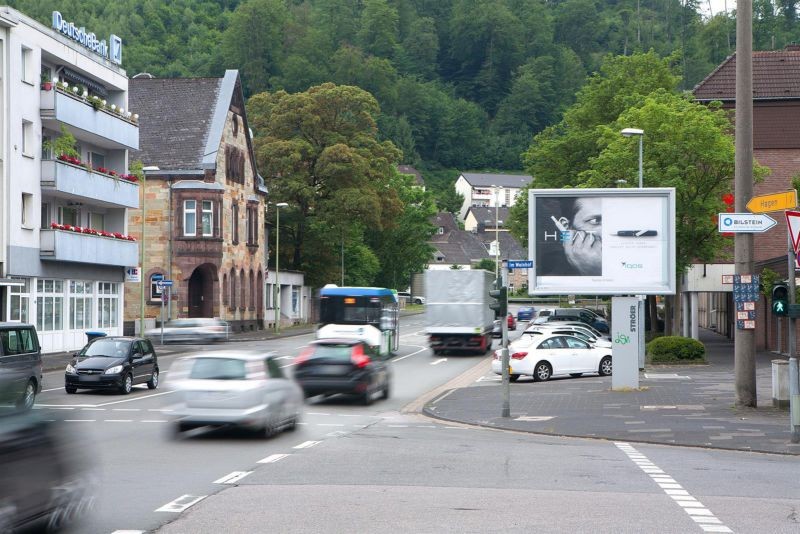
(335, 352)
(109, 348)
(218, 369)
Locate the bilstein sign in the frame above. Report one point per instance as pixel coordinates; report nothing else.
(112, 51)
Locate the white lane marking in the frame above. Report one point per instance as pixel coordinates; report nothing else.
(397, 426)
(128, 532)
(181, 503)
(316, 413)
(421, 349)
(534, 418)
(133, 399)
(80, 420)
(118, 420)
(440, 397)
(126, 409)
(305, 445)
(232, 478)
(154, 421)
(330, 424)
(63, 406)
(440, 360)
(52, 389)
(694, 508)
(272, 458)
(93, 409)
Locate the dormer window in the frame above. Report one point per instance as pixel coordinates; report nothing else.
(440, 231)
(440, 259)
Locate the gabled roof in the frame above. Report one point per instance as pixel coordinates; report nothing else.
(500, 180)
(181, 120)
(776, 76)
(487, 215)
(461, 247)
(408, 169)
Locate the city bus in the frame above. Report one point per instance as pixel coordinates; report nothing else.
(367, 313)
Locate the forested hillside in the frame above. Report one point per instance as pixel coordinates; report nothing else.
(461, 83)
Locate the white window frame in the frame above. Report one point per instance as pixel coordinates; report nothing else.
(21, 296)
(27, 138)
(81, 304)
(26, 217)
(107, 304)
(207, 212)
(190, 230)
(26, 64)
(49, 305)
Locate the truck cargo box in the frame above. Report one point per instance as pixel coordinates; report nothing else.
(457, 301)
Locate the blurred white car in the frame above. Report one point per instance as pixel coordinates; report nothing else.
(196, 330)
(543, 356)
(234, 388)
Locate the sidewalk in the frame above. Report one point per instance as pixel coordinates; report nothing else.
(676, 405)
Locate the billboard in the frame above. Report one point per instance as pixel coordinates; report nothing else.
(601, 241)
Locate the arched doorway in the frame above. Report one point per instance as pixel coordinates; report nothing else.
(201, 292)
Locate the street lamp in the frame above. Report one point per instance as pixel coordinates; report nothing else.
(278, 207)
(636, 132)
(142, 282)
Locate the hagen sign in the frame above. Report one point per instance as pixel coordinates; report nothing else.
(112, 52)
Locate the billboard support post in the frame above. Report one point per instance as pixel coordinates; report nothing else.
(625, 313)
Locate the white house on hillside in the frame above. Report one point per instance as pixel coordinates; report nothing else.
(484, 190)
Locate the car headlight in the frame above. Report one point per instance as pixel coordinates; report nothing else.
(117, 369)
(70, 369)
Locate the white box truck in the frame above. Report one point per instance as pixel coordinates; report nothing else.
(457, 313)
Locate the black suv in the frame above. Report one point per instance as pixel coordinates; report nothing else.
(113, 363)
(20, 365)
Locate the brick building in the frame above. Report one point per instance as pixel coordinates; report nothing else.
(204, 203)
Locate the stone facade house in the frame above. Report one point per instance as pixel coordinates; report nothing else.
(204, 206)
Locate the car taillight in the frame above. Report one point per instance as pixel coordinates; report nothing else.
(358, 357)
(518, 355)
(304, 356)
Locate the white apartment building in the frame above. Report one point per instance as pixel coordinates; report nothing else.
(488, 190)
(64, 242)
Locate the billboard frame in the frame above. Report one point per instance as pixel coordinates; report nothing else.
(601, 283)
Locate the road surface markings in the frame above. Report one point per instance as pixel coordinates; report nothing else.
(128, 532)
(534, 418)
(305, 445)
(181, 503)
(493, 378)
(317, 413)
(694, 508)
(440, 360)
(133, 399)
(442, 396)
(125, 409)
(232, 478)
(154, 421)
(330, 424)
(80, 420)
(272, 458)
(421, 349)
(118, 420)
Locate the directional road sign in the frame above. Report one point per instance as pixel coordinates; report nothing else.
(785, 200)
(745, 223)
(156, 277)
(163, 283)
(520, 264)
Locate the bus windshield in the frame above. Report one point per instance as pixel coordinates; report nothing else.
(336, 310)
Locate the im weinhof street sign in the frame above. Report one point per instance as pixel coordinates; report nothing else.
(785, 200)
(744, 222)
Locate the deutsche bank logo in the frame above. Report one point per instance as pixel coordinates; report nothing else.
(115, 52)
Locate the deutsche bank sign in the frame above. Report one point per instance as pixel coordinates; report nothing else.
(89, 39)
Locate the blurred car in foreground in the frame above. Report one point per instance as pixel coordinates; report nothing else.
(348, 366)
(197, 330)
(555, 355)
(45, 484)
(20, 365)
(525, 313)
(117, 362)
(245, 389)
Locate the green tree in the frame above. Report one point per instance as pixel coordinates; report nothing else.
(378, 30)
(320, 152)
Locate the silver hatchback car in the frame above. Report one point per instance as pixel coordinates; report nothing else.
(234, 388)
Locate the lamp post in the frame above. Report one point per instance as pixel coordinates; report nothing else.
(278, 207)
(496, 231)
(142, 242)
(631, 132)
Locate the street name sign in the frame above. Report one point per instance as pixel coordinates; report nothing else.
(744, 223)
(785, 200)
(163, 283)
(520, 264)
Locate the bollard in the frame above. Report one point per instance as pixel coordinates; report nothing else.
(780, 383)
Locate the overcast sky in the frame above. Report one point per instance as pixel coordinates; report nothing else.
(718, 6)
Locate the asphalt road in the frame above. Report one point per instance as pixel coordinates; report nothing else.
(141, 469)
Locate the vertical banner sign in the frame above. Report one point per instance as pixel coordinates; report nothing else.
(745, 295)
(625, 338)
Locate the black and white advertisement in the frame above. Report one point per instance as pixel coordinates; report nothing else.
(602, 241)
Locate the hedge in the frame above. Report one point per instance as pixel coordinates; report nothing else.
(676, 349)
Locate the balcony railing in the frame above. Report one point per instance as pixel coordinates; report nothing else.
(78, 184)
(64, 245)
(100, 124)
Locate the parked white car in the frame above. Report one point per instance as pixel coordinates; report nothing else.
(550, 355)
(575, 330)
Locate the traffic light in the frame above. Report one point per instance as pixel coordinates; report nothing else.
(780, 299)
(500, 294)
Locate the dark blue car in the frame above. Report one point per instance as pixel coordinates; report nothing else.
(525, 313)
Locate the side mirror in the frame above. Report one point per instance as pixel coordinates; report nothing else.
(137, 355)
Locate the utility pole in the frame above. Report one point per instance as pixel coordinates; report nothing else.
(794, 394)
(744, 340)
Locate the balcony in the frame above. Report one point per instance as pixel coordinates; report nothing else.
(62, 245)
(77, 184)
(101, 127)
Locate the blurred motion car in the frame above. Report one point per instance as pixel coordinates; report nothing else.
(117, 362)
(246, 389)
(45, 481)
(525, 313)
(20, 365)
(555, 355)
(416, 299)
(343, 366)
(195, 330)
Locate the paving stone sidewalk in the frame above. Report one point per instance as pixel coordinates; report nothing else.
(690, 405)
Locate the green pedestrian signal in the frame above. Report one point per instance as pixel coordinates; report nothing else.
(780, 299)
